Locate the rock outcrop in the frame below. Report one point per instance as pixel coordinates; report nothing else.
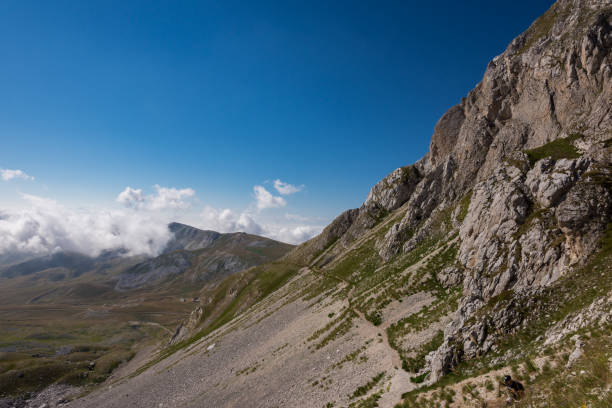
(185, 328)
(529, 148)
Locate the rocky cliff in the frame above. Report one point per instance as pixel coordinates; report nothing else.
(488, 254)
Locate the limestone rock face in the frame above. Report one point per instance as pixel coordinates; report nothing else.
(498, 207)
(583, 207)
(521, 219)
(394, 190)
(525, 226)
(450, 276)
(310, 250)
(522, 231)
(446, 133)
(549, 180)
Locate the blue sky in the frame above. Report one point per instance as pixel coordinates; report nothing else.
(219, 97)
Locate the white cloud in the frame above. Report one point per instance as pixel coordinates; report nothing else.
(8, 174)
(296, 217)
(286, 188)
(295, 234)
(131, 197)
(44, 226)
(265, 199)
(164, 198)
(225, 220)
(170, 198)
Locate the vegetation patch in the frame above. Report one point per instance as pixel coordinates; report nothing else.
(364, 389)
(21, 373)
(340, 330)
(352, 356)
(571, 294)
(464, 205)
(542, 26)
(557, 149)
(587, 383)
(417, 362)
(419, 378)
(248, 370)
(375, 318)
(369, 402)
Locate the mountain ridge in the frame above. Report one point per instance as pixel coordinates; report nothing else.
(490, 255)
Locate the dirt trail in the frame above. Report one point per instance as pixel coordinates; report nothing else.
(370, 329)
(400, 379)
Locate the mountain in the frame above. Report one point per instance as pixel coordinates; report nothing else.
(63, 311)
(189, 238)
(201, 256)
(194, 255)
(492, 255)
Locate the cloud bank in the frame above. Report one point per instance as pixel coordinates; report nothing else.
(226, 220)
(43, 226)
(46, 226)
(8, 174)
(131, 197)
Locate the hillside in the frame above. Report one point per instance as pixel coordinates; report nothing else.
(491, 255)
(61, 311)
(194, 257)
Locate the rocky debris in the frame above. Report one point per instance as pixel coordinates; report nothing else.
(64, 350)
(12, 402)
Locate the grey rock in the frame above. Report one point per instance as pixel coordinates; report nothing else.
(550, 180)
(395, 189)
(576, 353)
(450, 276)
(186, 327)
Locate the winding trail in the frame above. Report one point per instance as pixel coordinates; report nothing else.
(371, 329)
